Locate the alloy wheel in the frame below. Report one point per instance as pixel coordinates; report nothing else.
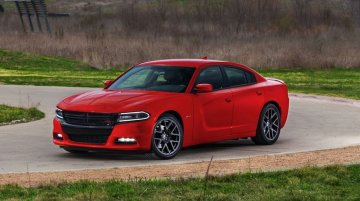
(271, 124)
(167, 136)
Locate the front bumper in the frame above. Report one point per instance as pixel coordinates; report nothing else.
(141, 131)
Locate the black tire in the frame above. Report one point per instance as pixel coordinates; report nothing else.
(167, 139)
(269, 126)
(75, 151)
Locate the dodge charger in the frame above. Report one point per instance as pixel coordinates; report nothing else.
(166, 105)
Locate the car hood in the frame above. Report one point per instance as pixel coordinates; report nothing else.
(112, 101)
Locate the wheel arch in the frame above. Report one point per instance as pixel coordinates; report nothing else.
(276, 104)
(174, 113)
(273, 102)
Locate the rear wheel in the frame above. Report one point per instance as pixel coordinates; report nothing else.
(268, 129)
(167, 137)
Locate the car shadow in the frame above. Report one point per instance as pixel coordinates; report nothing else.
(213, 147)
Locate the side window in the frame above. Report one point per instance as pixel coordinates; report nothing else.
(236, 77)
(211, 75)
(250, 77)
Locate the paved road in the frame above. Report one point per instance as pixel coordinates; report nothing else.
(314, 124)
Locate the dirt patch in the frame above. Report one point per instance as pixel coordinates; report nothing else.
(347, 155)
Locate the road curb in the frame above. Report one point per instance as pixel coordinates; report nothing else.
(331, 99)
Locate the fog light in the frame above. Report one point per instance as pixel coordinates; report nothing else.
(125, 140)
(58, 136)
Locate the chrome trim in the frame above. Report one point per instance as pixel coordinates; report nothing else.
(58, 116)
(130, 120)
(63, 123)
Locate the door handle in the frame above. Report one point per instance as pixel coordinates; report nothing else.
(228, 100)
(259, 93)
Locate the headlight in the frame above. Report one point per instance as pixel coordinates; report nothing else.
(133, 116)
(59, 114)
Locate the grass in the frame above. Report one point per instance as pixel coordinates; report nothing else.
(18, 115)
(29, 69)
(311, 183)
(332, 82)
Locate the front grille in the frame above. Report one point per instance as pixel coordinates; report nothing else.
(92, 139)
(87, 134)
(89, 119)
(82, 130)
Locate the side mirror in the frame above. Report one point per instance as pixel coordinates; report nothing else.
(107, 83)
(203, 88)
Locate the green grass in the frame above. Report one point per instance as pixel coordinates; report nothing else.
(330, 183)
(29, 69)
(333, 82)
(11, 114)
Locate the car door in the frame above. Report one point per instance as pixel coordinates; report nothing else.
(212, 110)
(248, 100)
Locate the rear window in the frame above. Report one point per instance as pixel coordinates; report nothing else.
(250, 77)
(237, 77)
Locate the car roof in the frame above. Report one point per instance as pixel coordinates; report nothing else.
(183, 62)
(199, 63)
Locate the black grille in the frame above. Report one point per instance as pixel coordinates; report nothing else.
(82, 130)
(87, 134)
(92, 139)
(89, 119)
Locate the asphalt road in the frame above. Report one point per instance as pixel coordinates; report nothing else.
(314, 123)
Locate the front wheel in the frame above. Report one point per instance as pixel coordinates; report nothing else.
(167, 137)
(268, 129)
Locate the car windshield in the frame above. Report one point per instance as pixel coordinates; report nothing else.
(155, 78)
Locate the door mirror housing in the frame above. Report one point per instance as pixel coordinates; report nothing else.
(107, 83)
(203, 88)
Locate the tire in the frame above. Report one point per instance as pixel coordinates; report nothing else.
(75, 151)
(269, 126)
(167, 138)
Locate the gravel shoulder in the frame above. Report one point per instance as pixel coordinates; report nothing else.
(273, 162)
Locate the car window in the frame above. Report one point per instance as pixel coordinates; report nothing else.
(235, 77)
(137, 79)
(250, 77)
(156, 78)
(211, 75)
(238, 77)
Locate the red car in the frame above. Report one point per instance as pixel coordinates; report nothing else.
(163, 106)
